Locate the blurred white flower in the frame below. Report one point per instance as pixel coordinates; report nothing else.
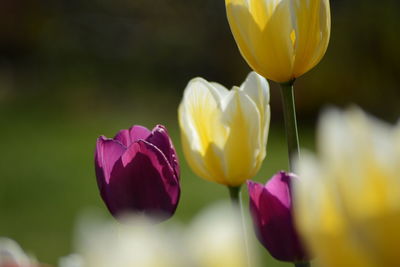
(12, 255)
(72, 260)
(136, 242)
(214, 239)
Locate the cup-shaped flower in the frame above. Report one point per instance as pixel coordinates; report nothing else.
(280, 39)
(138, 171)
(347, 206)
(224, 132)
(271, 209)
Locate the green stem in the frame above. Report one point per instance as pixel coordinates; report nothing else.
(302, 264)
(234, 193)
(289, 113)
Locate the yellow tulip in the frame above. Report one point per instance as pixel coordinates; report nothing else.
(224, 132)
(347, 202)
(280, 39)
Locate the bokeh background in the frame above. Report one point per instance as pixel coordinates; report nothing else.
(72, 70)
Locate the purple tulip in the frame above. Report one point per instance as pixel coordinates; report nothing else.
(138, 171)
(271, 210)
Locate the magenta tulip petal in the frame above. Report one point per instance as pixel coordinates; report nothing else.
(255, 191)
(135, 175)
(280, 187)
(123, 137)
(108, 152)
(271, 210)
(143, 180)
(160, 138)
(136, 132)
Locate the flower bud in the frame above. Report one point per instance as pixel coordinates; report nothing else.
(280, 39)
(271, 210)
(224, 132)
(138, 171)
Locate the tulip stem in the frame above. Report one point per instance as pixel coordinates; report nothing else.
(234, 193)
(289, 113)
(302, 264)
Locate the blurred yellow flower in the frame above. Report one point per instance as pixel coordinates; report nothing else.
(224, 132)
(280, 39)
(348, 200)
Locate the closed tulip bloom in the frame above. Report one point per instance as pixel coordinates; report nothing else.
(348, 201)
(280, 39)
(224, 132)
(138, 171)
(271, 209)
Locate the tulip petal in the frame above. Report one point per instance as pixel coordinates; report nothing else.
(160, 138)
(271, 209)
(257, 88)
(242, 146)
(123, 137)
(107, 153)
(136, 132)
(202, 133)
(313, 25)
(255, 191)
(143, 180)
(262, 31)
(220, 89)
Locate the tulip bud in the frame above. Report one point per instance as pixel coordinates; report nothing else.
(224, 132)
(271, 210)
(280, 39)
(138, 171)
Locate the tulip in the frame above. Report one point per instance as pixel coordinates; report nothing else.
(224, 133)
(347, 206)
(280, 39)
(138, 171)
(271, 209)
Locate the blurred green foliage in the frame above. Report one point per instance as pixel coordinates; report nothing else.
(71, 70)
(84, 50)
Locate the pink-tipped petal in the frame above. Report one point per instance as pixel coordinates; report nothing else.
(123, 137)
(160, 138)
(107, 153)
(271, 210)
(280, 187)
(255, 190)
(138, 132)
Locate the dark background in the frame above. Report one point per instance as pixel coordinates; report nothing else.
(72, 70)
